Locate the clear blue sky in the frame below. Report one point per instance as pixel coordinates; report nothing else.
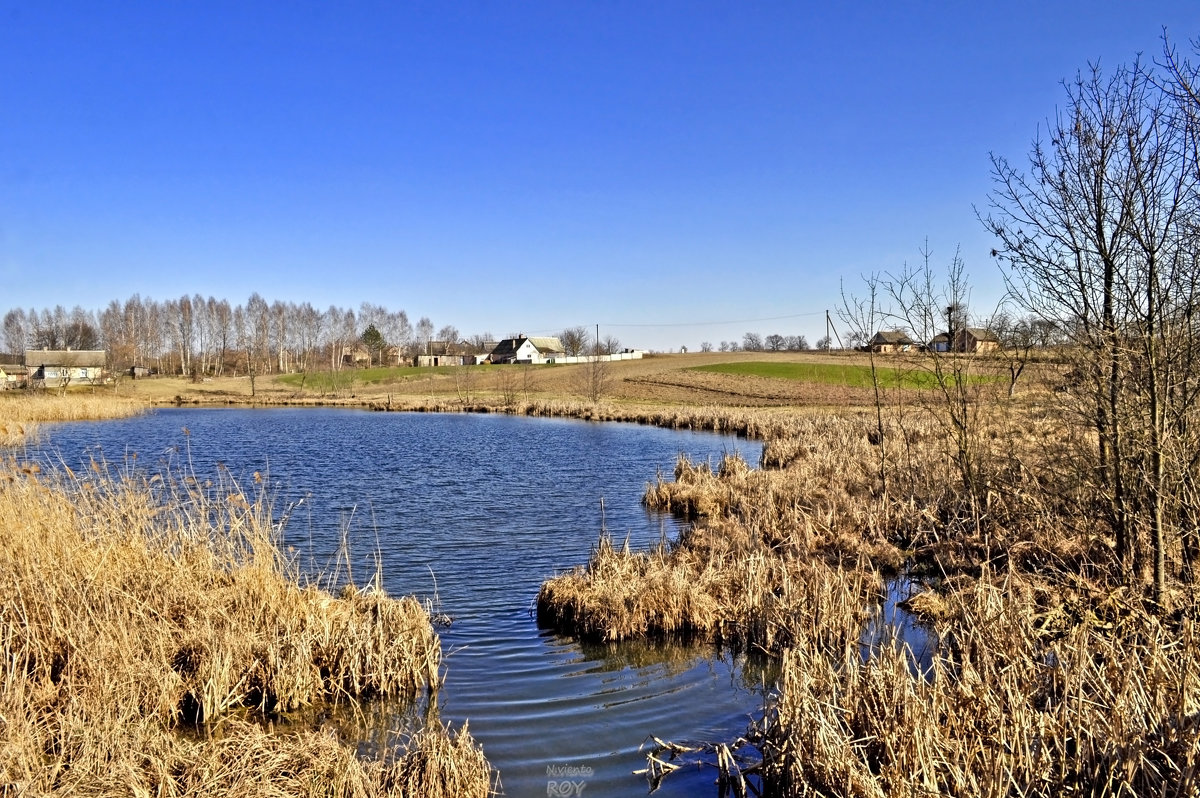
(676, 172)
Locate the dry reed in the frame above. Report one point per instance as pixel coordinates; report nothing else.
(1045, 680)
(22, 411)
(131, 607)
(727, 590)
(1008, 707)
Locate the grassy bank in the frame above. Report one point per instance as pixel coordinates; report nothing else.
(133, 612)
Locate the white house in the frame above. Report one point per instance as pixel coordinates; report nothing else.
(524, 349)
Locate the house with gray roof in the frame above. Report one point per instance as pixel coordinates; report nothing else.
(975, 339)
(524, 349)
(56, 368)
(890, 341)
(12, 371)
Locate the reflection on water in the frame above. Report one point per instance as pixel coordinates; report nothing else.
(891, 623)
(472, 512)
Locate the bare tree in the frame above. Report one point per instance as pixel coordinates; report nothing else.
(509, 384)
(16, 331)
(480, 342)
(1100, 236)
(424, 334)
(398, 330)
(282, 345)
(921, 300)
(528, 381)
(864, 315)
(594, 377)
(575, 340)
(307, 324)
(81, 331)
(223, 335)
(1017, 341)
(464, 383)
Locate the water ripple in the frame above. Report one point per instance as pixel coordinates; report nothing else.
(472, 512)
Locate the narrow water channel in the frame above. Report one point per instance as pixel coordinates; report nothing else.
(473, 512)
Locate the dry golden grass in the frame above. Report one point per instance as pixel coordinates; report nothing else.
(752, 561)
(1045, 680)
(739, 595)
(439, 763)
(131, 609)
(1106, 707)
(22, 411)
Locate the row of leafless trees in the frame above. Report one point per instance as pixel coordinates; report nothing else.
(1100, 233)
(195, 335)
(754, 342)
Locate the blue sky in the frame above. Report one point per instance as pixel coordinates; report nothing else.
(675, 172)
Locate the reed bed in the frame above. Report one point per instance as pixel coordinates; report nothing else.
(751, 423)
(724, 590)
(1106, 707)
(22, 411)
(132, 609)
(1046, 679)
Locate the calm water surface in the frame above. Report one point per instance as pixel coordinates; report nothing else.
(476, 511)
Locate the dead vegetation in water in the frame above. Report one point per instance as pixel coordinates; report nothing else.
(22, 411)
(131, 609)
(1011, 705)
(1050, 677)
(724, 589)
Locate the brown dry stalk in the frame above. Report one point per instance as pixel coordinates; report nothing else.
(129, 608)
(22, 411)
(1108, 708)
(1046, 680)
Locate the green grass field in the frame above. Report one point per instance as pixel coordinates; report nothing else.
(847, 375)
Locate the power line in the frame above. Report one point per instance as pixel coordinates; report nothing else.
(715, 323)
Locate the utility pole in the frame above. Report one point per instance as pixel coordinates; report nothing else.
(828, 327)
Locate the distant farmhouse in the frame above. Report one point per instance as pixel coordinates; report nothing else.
(451, 353)
(975, 339)
(940, 343)
(966, 339)
(524, 349)
(12, 371)
(56, 368)
(890, 341)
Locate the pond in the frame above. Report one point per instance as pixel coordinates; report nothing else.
(473, 512)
